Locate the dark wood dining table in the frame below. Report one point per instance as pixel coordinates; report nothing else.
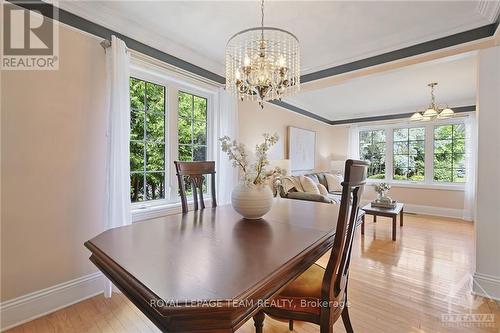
(210, 270)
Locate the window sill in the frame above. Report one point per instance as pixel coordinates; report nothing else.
(152, 211)
(444, 187)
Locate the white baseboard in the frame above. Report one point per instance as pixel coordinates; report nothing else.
(28, 307)
(435, 211)
(430, 210)
(486, 285)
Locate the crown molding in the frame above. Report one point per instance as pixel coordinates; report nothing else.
(410, 51)
(484, 7)
(296, 109)
(456, 109)
(80, 23)
(103, 15)
(299, 110)
(488, 9)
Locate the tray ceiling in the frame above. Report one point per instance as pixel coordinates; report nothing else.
(330, 32)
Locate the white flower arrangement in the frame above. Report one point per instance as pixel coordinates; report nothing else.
(381, 188)
(255, 173)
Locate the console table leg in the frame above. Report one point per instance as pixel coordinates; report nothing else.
(394, 228)
(374, 218)
(401, 218)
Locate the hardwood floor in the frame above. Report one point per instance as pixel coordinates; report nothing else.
(402, 286)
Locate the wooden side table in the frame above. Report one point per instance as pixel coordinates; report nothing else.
(392, 213)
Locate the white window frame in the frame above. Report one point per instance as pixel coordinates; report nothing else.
(428, 182)
(173, 83)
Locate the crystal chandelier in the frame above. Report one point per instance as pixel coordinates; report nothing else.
(262, 63)
(433, 110)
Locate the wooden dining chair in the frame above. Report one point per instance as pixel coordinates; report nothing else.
(194, 173)
(319, 295)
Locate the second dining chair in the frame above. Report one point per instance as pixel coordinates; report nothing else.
(324, 290)
(194, 173)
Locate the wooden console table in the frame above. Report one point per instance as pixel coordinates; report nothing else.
(392, 213)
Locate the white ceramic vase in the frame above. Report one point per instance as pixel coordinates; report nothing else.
(252, 201)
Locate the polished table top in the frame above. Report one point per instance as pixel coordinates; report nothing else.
(214, 254)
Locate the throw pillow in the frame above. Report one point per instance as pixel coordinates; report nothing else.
(313, 177)
(322, 189)
(288, 184)
(298, 185)
(334, 182)
(308, 185)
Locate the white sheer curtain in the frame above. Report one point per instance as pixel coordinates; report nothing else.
(353, 143)
(470, 168)
(118, 162)
(227, 125)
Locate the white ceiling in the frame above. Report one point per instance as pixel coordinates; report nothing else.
(330, 32)
(397, 91)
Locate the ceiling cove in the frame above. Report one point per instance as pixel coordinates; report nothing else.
(486, 8)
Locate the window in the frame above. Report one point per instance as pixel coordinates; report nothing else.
(429, 154)
(449, 153)
(147, 141)
(170, 119)
(372, 148)
(192, 127)
(409, 154)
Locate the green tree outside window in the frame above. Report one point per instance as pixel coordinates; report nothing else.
(449, 153)
(192, 127)
(147, 140)
(372, 148)
(192, 130)
(409, 154)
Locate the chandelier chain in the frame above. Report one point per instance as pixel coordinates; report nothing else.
(433, 97)
(262, 19)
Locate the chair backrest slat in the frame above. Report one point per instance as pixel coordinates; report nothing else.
(194, 172)
(337, 270)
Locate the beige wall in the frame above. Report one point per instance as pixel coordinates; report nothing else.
(423, 197)
(331, 142)
(53, 167)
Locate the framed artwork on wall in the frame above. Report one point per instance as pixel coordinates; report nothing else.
(301, 148)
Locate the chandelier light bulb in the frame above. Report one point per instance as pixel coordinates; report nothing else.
(281, 61)
(246, 62)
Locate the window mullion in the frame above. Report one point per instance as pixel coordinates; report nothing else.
(452, 153)
(173, 116)
(429, 154)
(389, 154)
(144, 184)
